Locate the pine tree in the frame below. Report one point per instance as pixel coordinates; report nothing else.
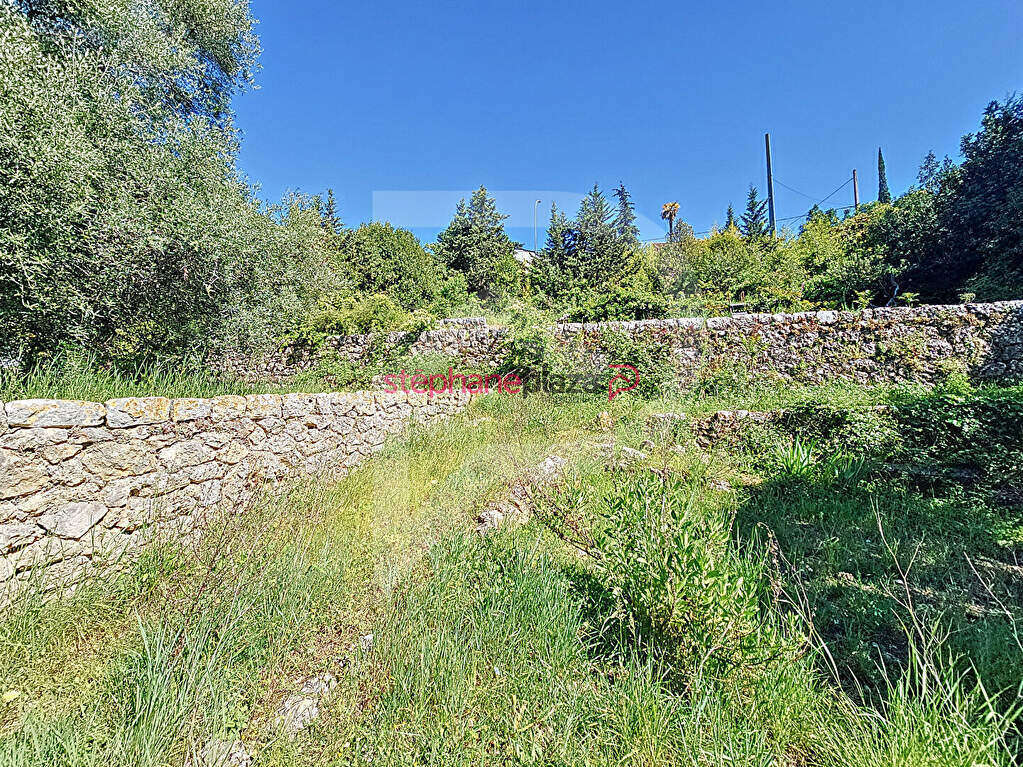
(883, 195)
(730, 218)
(329, 215)
(584, 256)
(625, 221)
(754, 220)
(553, 271)
(601, 251)
(476, 244)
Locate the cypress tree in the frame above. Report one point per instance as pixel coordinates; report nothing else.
(883, 195)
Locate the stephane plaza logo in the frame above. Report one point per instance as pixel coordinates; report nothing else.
(418, 382)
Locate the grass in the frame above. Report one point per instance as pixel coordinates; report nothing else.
(78, 376)
(194, 643)
(647, 615)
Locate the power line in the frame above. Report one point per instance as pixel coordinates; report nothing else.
(793, 189)
(847, 182)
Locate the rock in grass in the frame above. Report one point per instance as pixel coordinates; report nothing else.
(225, 753)
(632, 455)
(299, 711)
(518, 505)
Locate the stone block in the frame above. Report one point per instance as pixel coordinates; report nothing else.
(51, 413)
(137, 411)
(298, 405)
(264, 405)
(74, 520)
(32, 439)
(21, 475)
(17, 535)
(181, 455)
(190, 409)
(110, 460)
(60, 452)
(227, 407)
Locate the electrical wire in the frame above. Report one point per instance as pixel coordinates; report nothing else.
(843, 186)
(793, 189)
(786, 218)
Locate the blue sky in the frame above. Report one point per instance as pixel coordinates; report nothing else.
(403, 106)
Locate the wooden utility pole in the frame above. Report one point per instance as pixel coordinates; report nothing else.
(770, 184)
(856, 193)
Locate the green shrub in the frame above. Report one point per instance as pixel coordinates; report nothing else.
(531, 350)
(681, 578)
(359, 314)
(619, 302)
(389, 260)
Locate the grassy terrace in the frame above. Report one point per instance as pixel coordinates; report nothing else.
(841, 590)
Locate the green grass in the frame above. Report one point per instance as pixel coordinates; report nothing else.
(510, 650)
(644, 616)
(78, 376)
(195, 643)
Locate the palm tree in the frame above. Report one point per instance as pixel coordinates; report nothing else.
(668, 212)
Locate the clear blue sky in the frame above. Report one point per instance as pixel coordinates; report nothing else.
(542, 99)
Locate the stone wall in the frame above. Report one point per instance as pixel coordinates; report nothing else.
(84, 482)
(869, 346)
(476, 346)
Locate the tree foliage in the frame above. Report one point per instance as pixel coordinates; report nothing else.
(384, 259)
(754, 219)
(123, 222)
(625, 219)
(883, 193)
(476, 244)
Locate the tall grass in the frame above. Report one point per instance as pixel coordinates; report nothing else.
(201, 643)
(643, 622)
(512, 651)
(79, 375)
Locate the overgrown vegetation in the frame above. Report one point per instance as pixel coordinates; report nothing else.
(779, 600)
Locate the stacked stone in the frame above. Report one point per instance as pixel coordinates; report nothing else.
(84, 482)
(921, 343)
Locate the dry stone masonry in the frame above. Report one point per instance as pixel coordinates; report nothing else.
(869, 346)
(82, 483)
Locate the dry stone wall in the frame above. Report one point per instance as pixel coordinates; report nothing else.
(870, 346)
(82, 483)
(885, 345)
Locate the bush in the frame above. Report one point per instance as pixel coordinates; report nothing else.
(358, 314)
(681, 581)
(532, 352)
(711, 274)
(389, 260)
(620, 302)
